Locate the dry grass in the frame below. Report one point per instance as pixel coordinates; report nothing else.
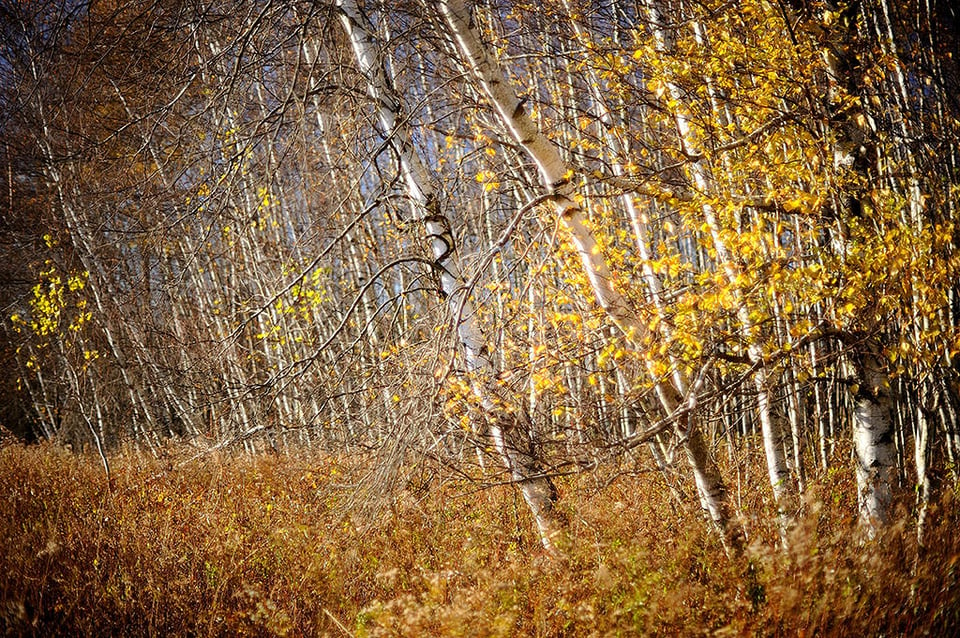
(263, 547)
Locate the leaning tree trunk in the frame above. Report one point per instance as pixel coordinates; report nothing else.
(555, 175)
(510, 436)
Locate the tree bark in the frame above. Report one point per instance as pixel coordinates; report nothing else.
(873, 443)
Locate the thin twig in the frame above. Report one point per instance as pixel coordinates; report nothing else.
(337, 622)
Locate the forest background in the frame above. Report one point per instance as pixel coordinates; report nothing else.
(612, 300)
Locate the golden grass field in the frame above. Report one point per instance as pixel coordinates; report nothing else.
(274, 546)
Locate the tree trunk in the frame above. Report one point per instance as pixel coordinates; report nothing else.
(873, 443)
(777, 469)
(507, 430)
(555, 175)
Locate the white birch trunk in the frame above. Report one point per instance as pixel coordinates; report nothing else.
(709, 483)
(873, 442)
(507, 431)
(922, 454)
(873, 429)
(554, 172)
(555, 175)
(777, 467)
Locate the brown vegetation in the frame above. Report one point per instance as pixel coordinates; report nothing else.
(264, 546)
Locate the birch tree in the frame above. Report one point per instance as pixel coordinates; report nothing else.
(556, 177)
(703, 181)
(505, 426)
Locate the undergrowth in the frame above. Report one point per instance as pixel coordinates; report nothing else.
(264, 546)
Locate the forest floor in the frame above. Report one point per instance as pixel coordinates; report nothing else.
(264, 546)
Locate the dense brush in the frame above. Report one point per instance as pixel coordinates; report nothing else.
(264, 546)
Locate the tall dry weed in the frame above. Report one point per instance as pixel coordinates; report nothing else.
(263, 546)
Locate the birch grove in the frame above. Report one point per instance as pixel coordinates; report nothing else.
(518, 240)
